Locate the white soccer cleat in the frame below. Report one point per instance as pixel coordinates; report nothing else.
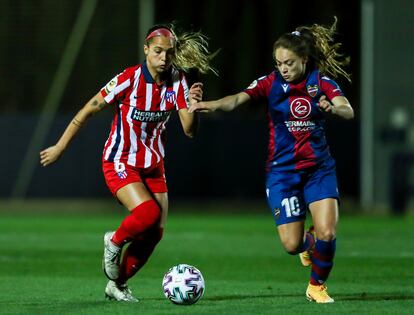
(119, 292)
(111, 257)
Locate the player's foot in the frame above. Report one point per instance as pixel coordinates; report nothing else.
(119, 292)
(318, 293)
(306, 256)
(111, 257)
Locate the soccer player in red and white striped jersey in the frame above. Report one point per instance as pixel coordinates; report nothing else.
(143, 98)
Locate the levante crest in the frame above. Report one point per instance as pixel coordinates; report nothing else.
(312, 90)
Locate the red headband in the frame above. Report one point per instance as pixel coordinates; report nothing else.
(160, 32)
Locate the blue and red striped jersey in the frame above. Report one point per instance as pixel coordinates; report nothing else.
(296, 124)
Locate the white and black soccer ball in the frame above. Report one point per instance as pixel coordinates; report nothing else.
(183, 284)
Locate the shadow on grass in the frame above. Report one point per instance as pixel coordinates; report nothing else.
(392, 296)
(364, 296)
(250, 296)
(241, 297)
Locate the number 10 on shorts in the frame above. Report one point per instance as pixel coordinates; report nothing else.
(291, 206)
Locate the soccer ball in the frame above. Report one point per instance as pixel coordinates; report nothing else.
(183, 284)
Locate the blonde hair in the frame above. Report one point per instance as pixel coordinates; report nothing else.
(317, 43)
(191, 51)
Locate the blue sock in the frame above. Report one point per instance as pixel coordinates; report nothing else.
(322, 261)
(308, 243)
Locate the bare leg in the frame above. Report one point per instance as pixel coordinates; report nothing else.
(291, 236)
(133, 195)
(325, 218)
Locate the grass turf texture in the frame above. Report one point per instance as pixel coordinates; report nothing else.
(50, 264)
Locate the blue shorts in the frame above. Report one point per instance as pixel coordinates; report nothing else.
(290, 192)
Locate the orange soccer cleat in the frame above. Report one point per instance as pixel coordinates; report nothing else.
(318, 293)
(306, 256)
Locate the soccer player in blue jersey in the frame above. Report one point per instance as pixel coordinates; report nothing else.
(301, 172)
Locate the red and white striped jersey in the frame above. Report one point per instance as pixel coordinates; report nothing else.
(142, 109)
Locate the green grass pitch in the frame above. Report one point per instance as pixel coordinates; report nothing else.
(51, 264)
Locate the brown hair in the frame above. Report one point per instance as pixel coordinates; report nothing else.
(317, 43)
(191, 50)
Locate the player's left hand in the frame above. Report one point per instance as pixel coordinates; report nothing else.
(325, 105)
(196, 93)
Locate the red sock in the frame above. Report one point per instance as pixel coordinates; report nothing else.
(138, 252)
(143, 217)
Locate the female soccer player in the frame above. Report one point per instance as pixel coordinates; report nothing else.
(301, 172)
(143, 97)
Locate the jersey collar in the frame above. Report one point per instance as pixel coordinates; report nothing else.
(147, 75)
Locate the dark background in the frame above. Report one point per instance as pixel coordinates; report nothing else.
(227, 158)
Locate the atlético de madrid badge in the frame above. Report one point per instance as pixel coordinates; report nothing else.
(312, 90)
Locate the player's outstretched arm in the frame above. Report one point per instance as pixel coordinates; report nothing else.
(227, 103)
(189, 121)
(52, 154)
(339, 106)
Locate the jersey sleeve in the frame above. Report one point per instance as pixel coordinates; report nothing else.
(259, 89)
(330, 88)
(183, 100)
(116, 88)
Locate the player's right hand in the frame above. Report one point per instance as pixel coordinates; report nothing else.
(196, 93)
(325, 105)
(50, 155)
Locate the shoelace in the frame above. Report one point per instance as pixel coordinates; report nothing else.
(323, 288)
(126, 291)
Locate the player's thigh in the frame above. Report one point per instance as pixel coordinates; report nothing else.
(325, 215)
(321, 195)
(156, 183)
(162, 200)
(291, 235)
(285, 199)
(133, 194)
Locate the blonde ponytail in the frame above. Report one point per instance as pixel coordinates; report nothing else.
(327, 59)
(192, 53)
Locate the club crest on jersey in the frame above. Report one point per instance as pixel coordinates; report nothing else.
(170, 96)
(300, 108)
(122, 175)
(276, 213)
(254, 83)
(312, 90)
(111, 85)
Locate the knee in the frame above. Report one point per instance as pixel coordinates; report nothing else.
(148, 212)
(291, 246)
(153, 236)
(326, 234)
